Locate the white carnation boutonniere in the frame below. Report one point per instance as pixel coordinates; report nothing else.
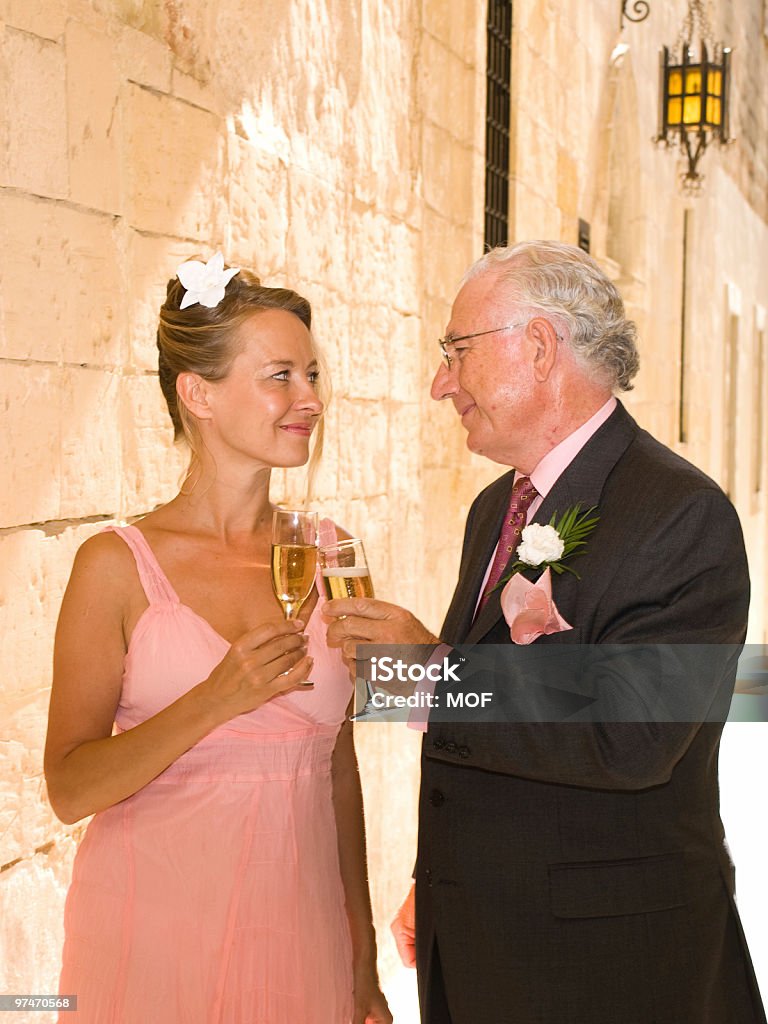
(205, 282)
(541, 544)
(547, 547)
(528, 607)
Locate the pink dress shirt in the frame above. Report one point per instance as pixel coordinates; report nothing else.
(549, 469)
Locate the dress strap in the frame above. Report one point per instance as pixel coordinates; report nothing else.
(327, 532)
(153, 579)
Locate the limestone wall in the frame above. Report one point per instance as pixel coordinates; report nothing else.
(330, 146)
(336, 146)
(585, 108)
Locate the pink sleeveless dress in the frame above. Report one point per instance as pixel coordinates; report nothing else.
(213, 895)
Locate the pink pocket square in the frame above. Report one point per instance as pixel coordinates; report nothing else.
(529, 609)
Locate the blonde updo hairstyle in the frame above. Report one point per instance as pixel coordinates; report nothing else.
(202, 340)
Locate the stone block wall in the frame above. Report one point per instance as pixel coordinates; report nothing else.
(331, 147)
(336, 147)
(584, 113)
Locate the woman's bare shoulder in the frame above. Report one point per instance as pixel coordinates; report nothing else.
(104, 548)
(102, 592)
(104, 558)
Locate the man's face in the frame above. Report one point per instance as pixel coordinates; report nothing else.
(491, 381)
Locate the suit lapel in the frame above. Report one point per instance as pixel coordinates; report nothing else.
(581, 482)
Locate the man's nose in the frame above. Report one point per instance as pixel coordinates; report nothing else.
(444, 383)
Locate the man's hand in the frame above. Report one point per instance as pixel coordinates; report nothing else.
(404, 930)
(364, 620)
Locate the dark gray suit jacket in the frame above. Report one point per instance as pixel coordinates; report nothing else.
(576, 873)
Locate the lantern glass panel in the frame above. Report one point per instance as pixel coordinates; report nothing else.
(692, 110)
(693, 81)
(675, 83)
(715, 83)
(713, 111)
(674, 111)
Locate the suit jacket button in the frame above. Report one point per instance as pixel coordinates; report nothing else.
(436, 798)
(450, 747)
(438, 744)
(464, 751)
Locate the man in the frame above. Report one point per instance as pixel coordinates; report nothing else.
(575, 872)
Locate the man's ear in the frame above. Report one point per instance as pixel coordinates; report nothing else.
(542, 331)
(193, 392)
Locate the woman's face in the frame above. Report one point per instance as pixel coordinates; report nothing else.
(266, 408)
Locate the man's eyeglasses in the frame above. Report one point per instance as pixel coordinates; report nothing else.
(448, 344)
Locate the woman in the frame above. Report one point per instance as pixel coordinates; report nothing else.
(222, 878)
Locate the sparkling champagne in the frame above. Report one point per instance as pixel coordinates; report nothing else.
(293, 572)
(347, 581)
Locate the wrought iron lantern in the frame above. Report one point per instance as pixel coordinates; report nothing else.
(639, 11)
(693, 107)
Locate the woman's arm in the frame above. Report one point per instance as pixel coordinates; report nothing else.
(87, 768)
(370, 1004)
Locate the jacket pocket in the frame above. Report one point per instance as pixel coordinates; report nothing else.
(639, 885)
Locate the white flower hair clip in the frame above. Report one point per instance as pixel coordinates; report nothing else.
(205, 282)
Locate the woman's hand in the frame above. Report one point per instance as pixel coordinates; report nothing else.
(266, 661)
(370, 1004)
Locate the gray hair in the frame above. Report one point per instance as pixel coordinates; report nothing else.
(566, 284)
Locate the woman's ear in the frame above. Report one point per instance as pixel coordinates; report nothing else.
(192, 391)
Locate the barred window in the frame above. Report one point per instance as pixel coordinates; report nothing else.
(498, 65)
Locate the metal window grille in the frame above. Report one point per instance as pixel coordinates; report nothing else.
(498, 67)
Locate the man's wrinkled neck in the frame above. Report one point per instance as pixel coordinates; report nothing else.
(559, 422)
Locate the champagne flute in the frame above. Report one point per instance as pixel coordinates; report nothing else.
(345, 572)
(294, 557)
(344, 568)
